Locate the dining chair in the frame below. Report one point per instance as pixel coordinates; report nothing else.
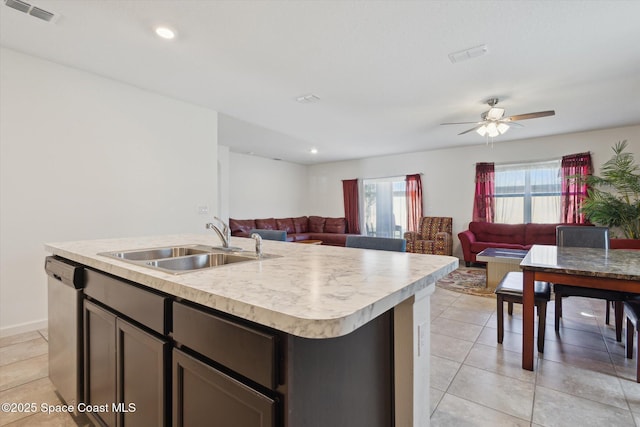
(587, 237)
(632, 311)
(509, 290)
(278, 235)
(379, 243)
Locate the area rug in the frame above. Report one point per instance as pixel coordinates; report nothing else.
(467, 280)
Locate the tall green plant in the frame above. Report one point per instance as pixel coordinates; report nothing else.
(613, 199)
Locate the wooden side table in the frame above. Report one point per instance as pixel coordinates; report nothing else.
(310, 242)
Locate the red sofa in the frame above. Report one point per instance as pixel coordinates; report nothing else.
(332, 231)
(624, 244)
(483, 235)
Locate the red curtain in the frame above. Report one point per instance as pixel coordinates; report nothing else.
(351, 210)
(483, 202)
(575, 169)
(413, 191)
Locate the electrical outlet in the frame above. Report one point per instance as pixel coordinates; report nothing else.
(203, 210)
(423, 328)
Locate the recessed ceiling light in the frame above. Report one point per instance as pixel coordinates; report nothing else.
(307, 99)
(165, 32)
(314, 151)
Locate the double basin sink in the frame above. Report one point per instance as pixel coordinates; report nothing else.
(184, 258)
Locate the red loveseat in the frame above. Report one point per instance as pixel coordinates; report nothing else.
(332, 231)
(483, 235)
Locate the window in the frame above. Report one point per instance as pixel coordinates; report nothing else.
(528, 192)
(385, 207)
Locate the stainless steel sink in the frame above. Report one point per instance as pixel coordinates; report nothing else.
(158, 253)
(184, 258)
(197, 262)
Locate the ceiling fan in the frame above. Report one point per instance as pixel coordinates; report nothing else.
(493, 123)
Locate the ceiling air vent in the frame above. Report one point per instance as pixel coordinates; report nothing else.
(34, 11)
(18, 5)
(470, 53)
(41, 13)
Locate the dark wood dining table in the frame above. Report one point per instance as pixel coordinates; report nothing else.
(590, 268)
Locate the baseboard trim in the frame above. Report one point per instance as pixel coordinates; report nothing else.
(23, 327)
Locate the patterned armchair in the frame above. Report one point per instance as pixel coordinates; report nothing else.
(433, 236)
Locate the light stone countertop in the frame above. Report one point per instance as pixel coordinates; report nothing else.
(614, 264)
(311, 291)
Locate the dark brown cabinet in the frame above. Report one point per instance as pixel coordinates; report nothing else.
(203, 395)
(236, 373)
(247, 350)
(241, 396)
(100, 362)
(127, 364)
(141, 377)
(156, 360)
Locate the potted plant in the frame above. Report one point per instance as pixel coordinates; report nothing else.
(613, 199)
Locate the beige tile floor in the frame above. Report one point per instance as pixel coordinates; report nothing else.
(583, 378)
(24, 379)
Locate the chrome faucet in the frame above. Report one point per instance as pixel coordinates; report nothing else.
(223, 232)
(258, 239)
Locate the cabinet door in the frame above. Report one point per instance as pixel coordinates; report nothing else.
(202, 395)
(142, 392)
(100, 362)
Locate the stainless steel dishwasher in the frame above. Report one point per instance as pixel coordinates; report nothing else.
(65, 283)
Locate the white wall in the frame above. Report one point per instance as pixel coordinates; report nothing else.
(448, 175)
(83, 157)
(265, 188)
(223, 182)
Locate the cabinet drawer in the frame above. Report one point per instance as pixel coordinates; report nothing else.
(247, 351)
(144, 306)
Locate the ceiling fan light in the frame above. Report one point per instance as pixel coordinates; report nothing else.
(492, 129)
(502, 128)
(482, 130)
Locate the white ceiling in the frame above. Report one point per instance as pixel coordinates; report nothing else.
(380, 68)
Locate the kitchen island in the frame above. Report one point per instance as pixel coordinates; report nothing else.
(346, 331)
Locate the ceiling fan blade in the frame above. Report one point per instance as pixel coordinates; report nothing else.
(471, 130)
(529, 116)
(516, 124)
(460, 123)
